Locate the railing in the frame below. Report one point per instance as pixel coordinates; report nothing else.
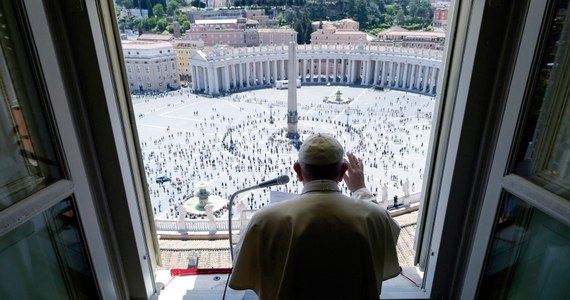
(227, 53)
(221, 225)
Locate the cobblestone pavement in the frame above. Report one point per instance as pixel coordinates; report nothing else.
(216, 254)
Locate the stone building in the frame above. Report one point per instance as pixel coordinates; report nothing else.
(343, 32)
(238, 32)
(184, 49)
(151, 66)
(401, 37)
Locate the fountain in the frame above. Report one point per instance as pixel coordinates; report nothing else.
(203, 199)
(337, 98)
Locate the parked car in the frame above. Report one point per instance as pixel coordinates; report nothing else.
(162, 179)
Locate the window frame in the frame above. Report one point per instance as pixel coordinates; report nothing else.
(116, 226)
(502, 180)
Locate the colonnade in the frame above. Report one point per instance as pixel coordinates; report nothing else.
(413, 71)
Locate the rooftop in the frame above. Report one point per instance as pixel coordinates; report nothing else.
(144, 45)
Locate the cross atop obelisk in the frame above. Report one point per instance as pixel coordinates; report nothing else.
(292, 74)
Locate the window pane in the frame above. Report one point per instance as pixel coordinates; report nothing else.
(44, 258)
(27, 161)
(545, 155)
(529, 258)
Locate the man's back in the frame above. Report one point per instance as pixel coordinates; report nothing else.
(320, 245)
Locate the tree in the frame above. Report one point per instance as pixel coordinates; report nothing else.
(400, 17)
(171, 7)
(158, 10)
(160, 25)
(125, 3)
(198, 3)
(185, 25)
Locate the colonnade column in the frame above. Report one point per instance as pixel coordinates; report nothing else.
(210, 80)
(416, 70)
(227, 78)
(237, 70)
(311, 70)
(274, 73)
(405, 81)
(247, 74)
(335, 72)
(434, 80)
(383, 81)
(342, 71)
(423, 71)
(350, 74)
(204, 82)
(283, 69)
(376, 72)
(234, 78)
(194, 78)
(254, 74)
(327, 70)
(398, 74)
(304, 71)
(367, 71)
(364, 72)
(320, 70)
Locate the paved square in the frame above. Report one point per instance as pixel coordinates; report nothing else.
(231, 143)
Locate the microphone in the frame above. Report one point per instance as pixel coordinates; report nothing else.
(279, 180)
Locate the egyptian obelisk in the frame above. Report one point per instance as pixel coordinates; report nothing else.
(292, 72)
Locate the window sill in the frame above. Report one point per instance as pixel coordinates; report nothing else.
(211, 286)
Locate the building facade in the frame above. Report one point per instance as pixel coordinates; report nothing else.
(440, 15)
(224, 70)
(151, 67)
(206, 14)
(411, 39)
(343, 32)
(232, 32)
(344, 24)
(185, 49)
(276, 36)
(260, 16)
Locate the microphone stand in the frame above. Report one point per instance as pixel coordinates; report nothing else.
(230, 204)
(230, 207)
(283, 179)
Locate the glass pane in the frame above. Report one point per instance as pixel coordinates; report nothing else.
(545, 155)
(45, 258)
(529, 258)
(27, 161)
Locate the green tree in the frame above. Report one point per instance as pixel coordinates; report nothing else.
(185, 26)
(281, 19)
(421, 9)
(299, 20)
(198, 3)
(171, 7)
(160, 25)
(158, 10)
(400, 17)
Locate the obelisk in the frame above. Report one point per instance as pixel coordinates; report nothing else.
(292, 74)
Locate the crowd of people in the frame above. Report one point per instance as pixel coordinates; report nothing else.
(230, 143)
